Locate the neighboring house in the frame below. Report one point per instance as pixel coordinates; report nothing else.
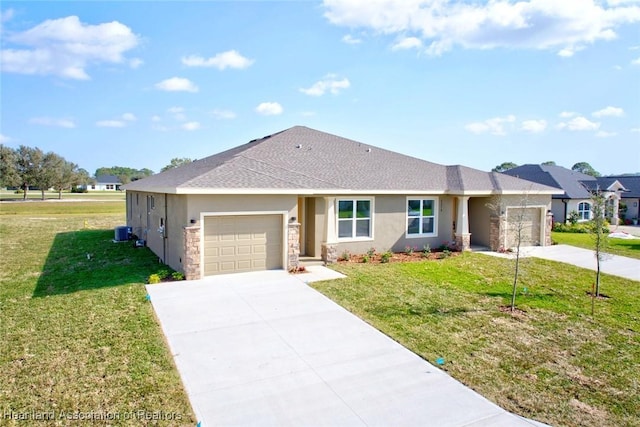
(104, 183)
(303, 192)
(578, 189)
(631, 197)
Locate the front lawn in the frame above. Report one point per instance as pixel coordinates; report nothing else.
(79, 338)
(624, 247)
(553, 362)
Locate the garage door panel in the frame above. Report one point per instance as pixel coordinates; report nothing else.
(242, 243)
(528, 221)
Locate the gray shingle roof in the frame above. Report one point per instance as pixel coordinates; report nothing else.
(304, 160)
(555, 176)
(631, 183)
(107, 179)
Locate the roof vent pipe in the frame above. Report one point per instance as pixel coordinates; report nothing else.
(299, 146)
(368, 150)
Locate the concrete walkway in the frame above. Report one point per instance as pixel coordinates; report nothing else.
(264, 349)
(616, 265)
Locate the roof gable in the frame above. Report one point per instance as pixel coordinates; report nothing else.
(300, 159)
(556, 176)
(107, 179)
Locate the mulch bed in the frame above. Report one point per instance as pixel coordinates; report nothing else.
(397, 257)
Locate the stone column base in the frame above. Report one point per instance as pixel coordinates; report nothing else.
(191, 258)
(329, 253)
(463, 242)
(293, 250)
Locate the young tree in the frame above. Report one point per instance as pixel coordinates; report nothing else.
(599, 233)
(47, 170)
(67, 177)
(517, 220)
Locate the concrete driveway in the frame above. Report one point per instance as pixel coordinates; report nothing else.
(616, 265)
(264, 349)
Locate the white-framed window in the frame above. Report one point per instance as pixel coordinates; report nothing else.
(110, 187)
(422, 218)
(584, 211)
(355, 217)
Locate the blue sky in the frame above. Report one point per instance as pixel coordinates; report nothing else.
(454, 82)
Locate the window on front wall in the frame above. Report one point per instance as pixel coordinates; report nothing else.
(421, 217)
(354, 219)
(110, 187)
(584, 211)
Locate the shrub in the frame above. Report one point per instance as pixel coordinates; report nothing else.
(408, 250)
(371, 252)
(345, 256)
(573, 217)
(153, 279)
(79, 190)
(176, 275)
(426, 250)
(163, 274)
(385, 257)
(366, 258)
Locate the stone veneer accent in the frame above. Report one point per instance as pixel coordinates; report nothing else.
(329, 253)
(463, 242)
(548, 226)
(191, 259)
(293, 246)
(496, 232)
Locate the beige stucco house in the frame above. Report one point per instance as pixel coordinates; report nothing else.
(302, 192)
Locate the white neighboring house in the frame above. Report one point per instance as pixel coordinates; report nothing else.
(104, 183)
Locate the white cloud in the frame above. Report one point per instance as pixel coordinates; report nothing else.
(579, 123)
(65, 47)
(534, 126)
(223, 114)
(191, 126)
(567, 114)
(328, 83)
(407, 43)
(135, 63)
(228, 59)
(177, 113)
(526, 24)
(4, 139)
(129, 117)
(494, 126)
(6, 15)
(635, 130)
(349, 39)
(111, 123)
(49, 121)
(269, 109)
(635, 61)
(568, 52)
(617, 67)
(603, 134)
(609, 112)
(177, 84)
(155, 118)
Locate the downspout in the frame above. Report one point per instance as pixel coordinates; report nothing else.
(565, 201)
(164, 232)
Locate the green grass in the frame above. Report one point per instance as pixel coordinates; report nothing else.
(553, 362)
(623, 247)
(78, 334)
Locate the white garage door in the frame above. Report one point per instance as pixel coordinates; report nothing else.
(234, 244)
(528, 220)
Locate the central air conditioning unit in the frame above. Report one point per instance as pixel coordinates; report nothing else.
(122, 234)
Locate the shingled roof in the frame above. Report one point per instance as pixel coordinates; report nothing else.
(301, 160)
(576, 185)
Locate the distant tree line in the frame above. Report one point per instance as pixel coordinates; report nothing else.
(26, 167)
(124, 174)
